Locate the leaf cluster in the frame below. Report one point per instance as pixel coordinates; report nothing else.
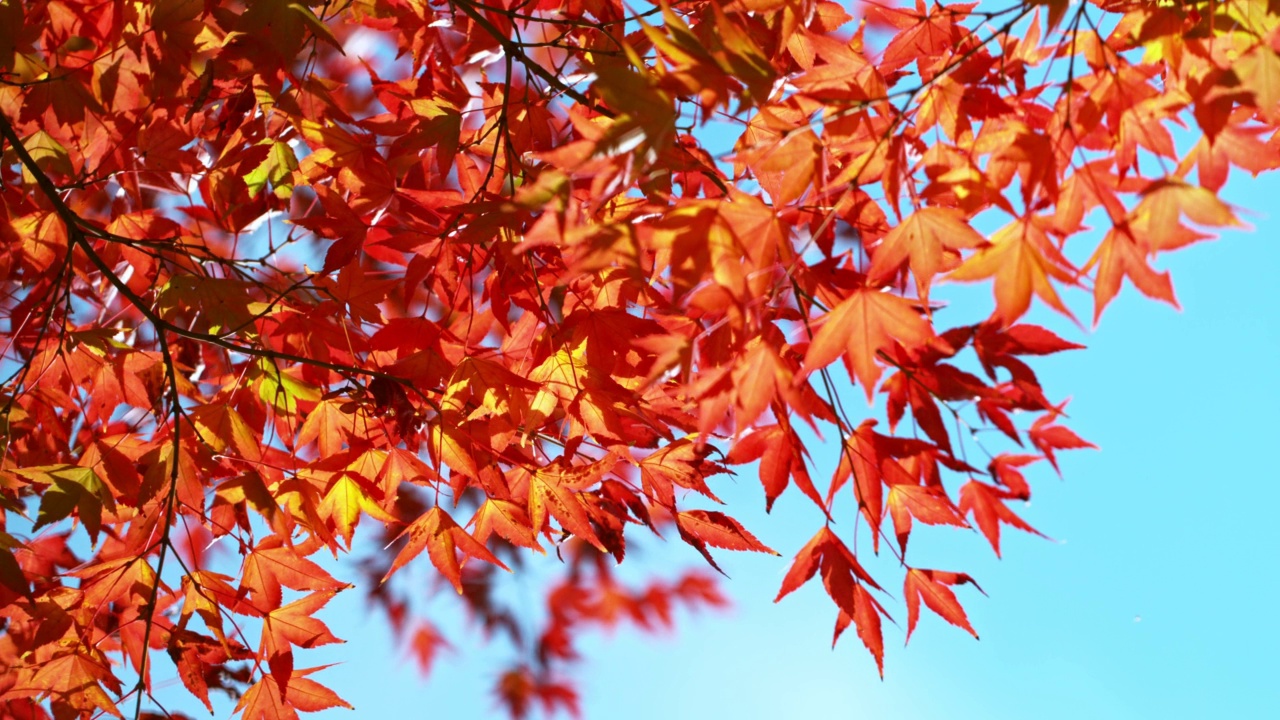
(482, 279)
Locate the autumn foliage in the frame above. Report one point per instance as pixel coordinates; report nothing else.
(444, 284)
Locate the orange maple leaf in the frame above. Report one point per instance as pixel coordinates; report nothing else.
(928, 504)
(1155, 225)
(442, 538)
(929, 241)
(824, 549)
(78, 678)
(864, 324)
(987, 503)
(291, 625)
(508, 520)
(782, 457)
(346, 499)
(701, 528)
(272, 564)
(931, 586)
(555, 489)
(866, 618)
(262, 702)
(844, 579)
(1022, 259)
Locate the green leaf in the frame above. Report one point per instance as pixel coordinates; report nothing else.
(277, 169)
(49, 155)
(318, 28)
(11, 575)
(71, 488)
(282, 391)
(221, 302)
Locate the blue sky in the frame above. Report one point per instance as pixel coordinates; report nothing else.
(1153, 600)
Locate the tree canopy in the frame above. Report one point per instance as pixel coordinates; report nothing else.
(475, 279)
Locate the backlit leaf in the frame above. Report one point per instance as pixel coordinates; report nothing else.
(442, 538)
(933, 586)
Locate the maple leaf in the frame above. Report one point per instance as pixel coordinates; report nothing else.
(207, 593)
(248, 489)
(272, 564)
(782, 456)
(843, 578)
(446, 444)
(759, 376)
(485, 388)
(442, 538)
(281, 389)
(345, 500)
(1048, 436)
(682, 463)
(929, 240)
(994, 343)
(402, 466)
(941, 105)
(198, 659)
(508, 520)
(866, 618)
(49, 155)
(864, 324)
(329, 425)
(222, 427)
(864, 458)
(1127, 247)
(359, 293)
(923, 387)
(823, 550)
(1233, 145)
(70, 489)
(79, 677)
(987, 504)
(1259, 72)
(1023, 260)
(929, 505)
(701, 528)
(426, 646)
(262, 701)
(1165, 201)
(1120, 255)
(115, 581)
(292, 625)
(787, 169)
(932, 587)
(555, 489)
(1004, 468)
(519, 687)
(221, 303)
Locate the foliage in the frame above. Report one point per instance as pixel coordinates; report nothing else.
(478, 279)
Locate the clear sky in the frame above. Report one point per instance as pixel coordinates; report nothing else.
(1155, 599)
